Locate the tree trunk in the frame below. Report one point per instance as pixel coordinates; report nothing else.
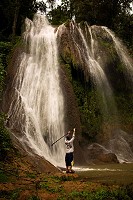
(16, 12)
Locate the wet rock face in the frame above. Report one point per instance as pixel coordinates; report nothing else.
(9, 83)
(107, 158)
(9, 90)
(71, 47)
(37, 162)
(72, 115)
(78, 44)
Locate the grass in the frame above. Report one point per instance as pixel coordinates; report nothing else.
(28, 184)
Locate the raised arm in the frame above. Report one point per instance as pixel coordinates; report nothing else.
(74, 132)
(73, 137)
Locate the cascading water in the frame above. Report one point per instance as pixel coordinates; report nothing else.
(86, 54)
(40, 103)
(119, 142)
(122, 52)
(99, 77)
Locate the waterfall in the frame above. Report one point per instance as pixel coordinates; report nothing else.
(40, 104)
(84, 42)
(120, 142)
(99, 77)
(122, 52)
(93, 68)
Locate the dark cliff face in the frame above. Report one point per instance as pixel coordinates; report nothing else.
(72, 114)
(11, 71)
(9, 96)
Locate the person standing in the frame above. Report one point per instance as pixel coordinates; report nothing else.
(69, 151)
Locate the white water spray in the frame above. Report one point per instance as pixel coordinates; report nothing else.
(40, 103)
(122, 52)
(85, 45)
(98, 76)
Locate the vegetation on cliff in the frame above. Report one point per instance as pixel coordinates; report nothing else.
(5, 143)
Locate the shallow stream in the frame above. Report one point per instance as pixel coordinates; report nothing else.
(109, 174)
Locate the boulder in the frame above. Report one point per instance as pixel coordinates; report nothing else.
(97, 154)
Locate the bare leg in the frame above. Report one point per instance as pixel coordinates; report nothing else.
(70, 169)
(67, 169)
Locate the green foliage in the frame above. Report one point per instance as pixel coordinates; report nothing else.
(12, 195)
(51, 188)
(57, 16)
(5, 51)
(2, 76)
(4, 194)
(68, 71)
(113, 14)
(5, 48)
(13, 14)
(63, 178)
(61, 198)
(3, 177)
(31, 175)
(5, 142)
(91, 115)
(15, 194)
(125, 108)
(107, 46)
(34, 198)
(61, 13)
(100, 194)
